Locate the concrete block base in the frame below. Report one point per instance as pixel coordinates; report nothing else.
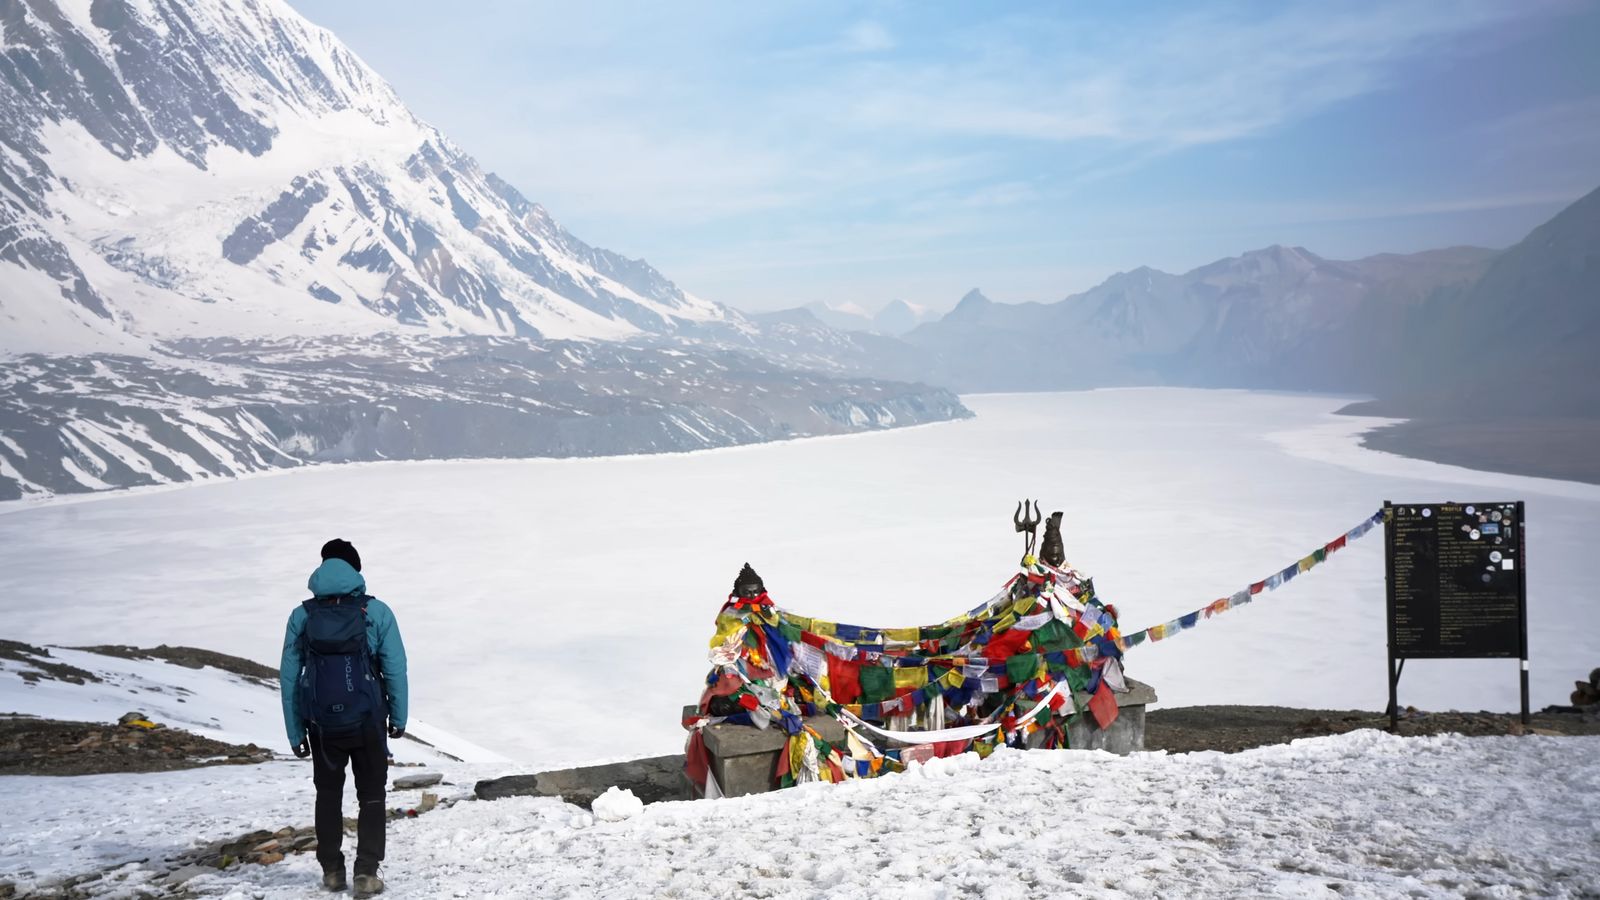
(744, 760)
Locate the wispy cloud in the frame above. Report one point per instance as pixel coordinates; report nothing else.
(764, 138)
(1201, 78)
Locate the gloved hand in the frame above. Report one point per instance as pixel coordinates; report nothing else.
(396, 733)
(302, 750)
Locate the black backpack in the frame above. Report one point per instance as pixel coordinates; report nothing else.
(340, 691)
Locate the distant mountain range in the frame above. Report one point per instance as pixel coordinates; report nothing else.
(1443, 332)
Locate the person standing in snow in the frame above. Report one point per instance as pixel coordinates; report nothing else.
(343, 680)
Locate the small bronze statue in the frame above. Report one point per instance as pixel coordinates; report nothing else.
(1053, 551)
(748, 584)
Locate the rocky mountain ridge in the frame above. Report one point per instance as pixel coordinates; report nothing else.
(227, 246)
(228, 407)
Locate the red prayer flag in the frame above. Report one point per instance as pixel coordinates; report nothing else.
(1258, 587)
(1335, 544)
(1005, 644)
(1103, 705)
(696, 763)
(844, 679)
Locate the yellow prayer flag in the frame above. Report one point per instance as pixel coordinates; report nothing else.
(911, 677)
(725, 629)
(826, 629)
(903, 635)
(1307, 563)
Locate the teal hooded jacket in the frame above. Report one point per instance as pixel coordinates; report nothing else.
(336, 578)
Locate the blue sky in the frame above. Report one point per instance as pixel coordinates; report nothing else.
(766, 155)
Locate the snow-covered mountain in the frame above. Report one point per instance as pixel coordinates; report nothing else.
(898, 317)
(199, 169)
(226, 246)
(895, 318)
(843, 317)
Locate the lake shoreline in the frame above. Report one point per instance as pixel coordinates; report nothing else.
(1560, 448)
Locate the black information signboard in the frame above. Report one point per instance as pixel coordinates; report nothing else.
(1457, 585)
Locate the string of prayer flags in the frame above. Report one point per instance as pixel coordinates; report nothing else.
(1271, 583)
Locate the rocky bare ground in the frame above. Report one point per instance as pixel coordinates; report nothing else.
(32, 746)
(1188, 729)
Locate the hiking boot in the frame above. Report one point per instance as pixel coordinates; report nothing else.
(333, 879)
(367, 885)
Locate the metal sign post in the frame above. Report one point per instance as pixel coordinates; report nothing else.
(1457, 586)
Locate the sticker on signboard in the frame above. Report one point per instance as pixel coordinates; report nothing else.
(1508, 564)
(1490, 528)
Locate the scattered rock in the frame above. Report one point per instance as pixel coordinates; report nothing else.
(138, 720)
(510, 786)
(419, 780)
(267, 859)
(651, 780)
(185, 873)
(427, 803)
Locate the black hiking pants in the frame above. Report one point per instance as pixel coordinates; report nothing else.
(367, 754)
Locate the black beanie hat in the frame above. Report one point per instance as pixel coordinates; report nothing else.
(339, 548)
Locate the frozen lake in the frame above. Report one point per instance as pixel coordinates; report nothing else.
(558, 610)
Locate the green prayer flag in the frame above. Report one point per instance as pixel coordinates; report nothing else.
(877, 683)
(790, 632)
(1053, 635)
(1022, 666)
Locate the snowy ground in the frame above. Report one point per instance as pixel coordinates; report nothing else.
(545, 601)
(1357, 815)
(54, 827)
(207, 701)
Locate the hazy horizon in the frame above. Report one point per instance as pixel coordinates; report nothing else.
(766, 158)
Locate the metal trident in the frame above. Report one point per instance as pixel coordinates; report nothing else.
(1027, 525)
